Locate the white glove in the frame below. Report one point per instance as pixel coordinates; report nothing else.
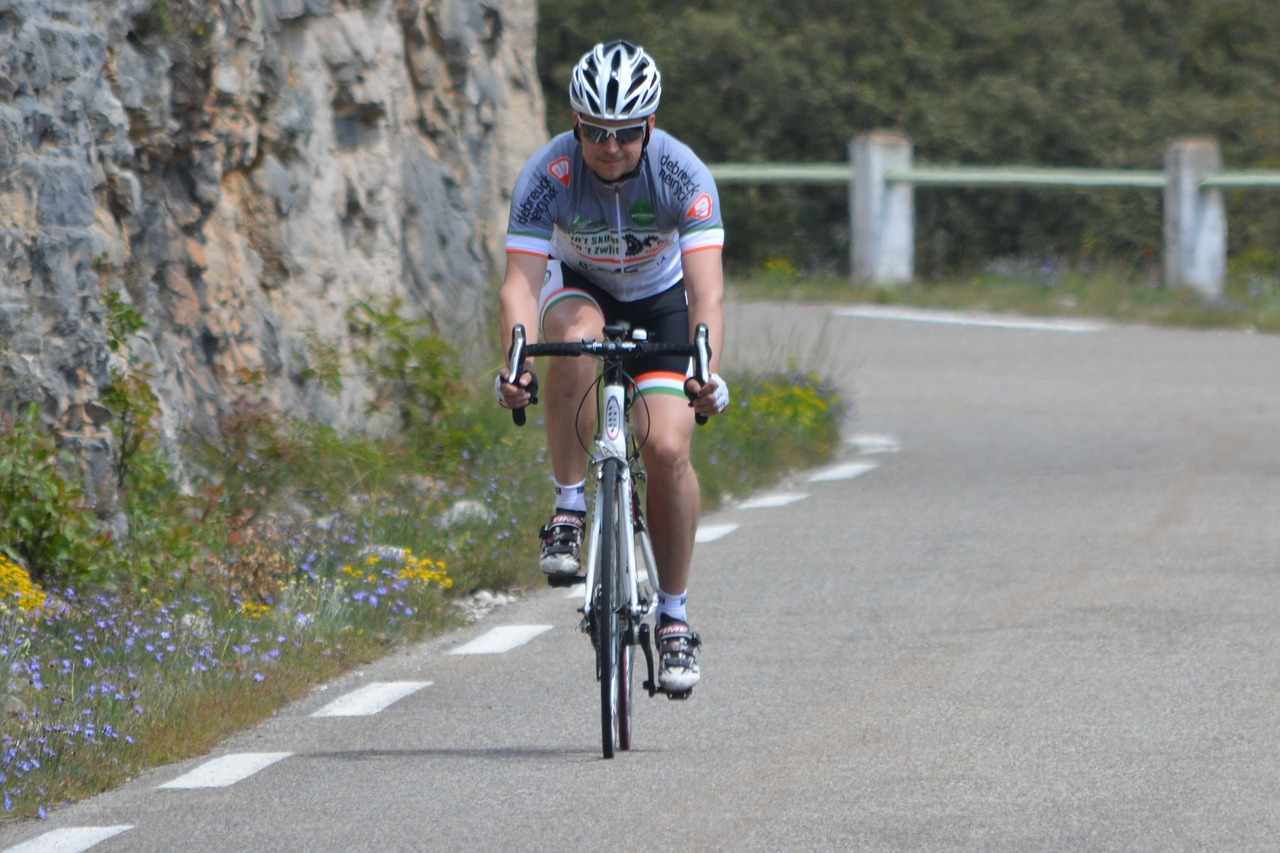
(721, 395)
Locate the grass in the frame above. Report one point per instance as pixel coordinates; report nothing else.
(313, 552)
(1251, 301)
(105, 685)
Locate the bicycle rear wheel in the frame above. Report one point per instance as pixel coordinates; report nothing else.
(609, 641)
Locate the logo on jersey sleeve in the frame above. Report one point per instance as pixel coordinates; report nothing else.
(559, 169)
(701, 209)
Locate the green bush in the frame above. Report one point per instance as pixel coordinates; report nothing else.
(45, 520)
(160, 521)
(415, 374)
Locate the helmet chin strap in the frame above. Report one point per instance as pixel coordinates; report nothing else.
(629, 175)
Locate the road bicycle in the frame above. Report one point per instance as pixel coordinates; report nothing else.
(617, 601)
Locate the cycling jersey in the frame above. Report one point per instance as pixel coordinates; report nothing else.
(626, 237)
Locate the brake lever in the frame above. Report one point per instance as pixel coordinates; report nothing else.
(515, 366)
(702, 368)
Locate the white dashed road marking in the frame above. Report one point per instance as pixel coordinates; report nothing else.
(994, 321)
(504, 638)
(847, 471)
(227, 770)
(772, 500)
(869, 444)
(370, 699)
(578, 590)
(70, 840)
(712, 532)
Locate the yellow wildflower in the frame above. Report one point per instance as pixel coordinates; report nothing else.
(254, 610)
(424, 570)
(16, 584)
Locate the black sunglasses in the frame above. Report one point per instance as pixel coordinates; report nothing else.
(598, 134)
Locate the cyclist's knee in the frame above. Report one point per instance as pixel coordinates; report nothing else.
(667, 454)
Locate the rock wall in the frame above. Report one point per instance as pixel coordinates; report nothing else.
(241, 172)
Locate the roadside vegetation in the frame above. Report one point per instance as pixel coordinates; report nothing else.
(1251, 301)
(287, 553)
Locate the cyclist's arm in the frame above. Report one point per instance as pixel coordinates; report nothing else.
(704, 284)
(519, 301)
(519, 295)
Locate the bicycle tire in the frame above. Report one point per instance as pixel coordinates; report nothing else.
(626, 646)
(626, 679)
(605, 610)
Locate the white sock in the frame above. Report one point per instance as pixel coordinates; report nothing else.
(673, 606)
(571, 497)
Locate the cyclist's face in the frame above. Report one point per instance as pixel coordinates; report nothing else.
(611, 159)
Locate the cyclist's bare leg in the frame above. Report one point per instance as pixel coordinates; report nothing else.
(673, 500)
(567, 381)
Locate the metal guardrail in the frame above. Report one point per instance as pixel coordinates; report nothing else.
(1255, 179)
(971, 176)
(782, 173)
(880, 179)
(968, 176)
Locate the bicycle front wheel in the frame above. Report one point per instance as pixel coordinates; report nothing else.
(608, 601)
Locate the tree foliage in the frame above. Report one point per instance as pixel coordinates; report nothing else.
(1085, 83)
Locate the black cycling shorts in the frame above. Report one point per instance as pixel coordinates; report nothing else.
(664, 316)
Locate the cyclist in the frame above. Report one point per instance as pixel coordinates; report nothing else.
(617, 220)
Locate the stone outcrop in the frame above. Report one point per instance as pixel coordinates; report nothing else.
(241, 172)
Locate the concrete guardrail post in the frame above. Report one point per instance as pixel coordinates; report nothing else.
(1195, 221)
(882, 212)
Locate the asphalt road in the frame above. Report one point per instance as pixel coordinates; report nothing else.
(1049, 621)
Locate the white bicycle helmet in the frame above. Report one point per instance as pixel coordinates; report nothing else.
(615, 80)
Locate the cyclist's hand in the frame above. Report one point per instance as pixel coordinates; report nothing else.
(709, 399)
(513, 396)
